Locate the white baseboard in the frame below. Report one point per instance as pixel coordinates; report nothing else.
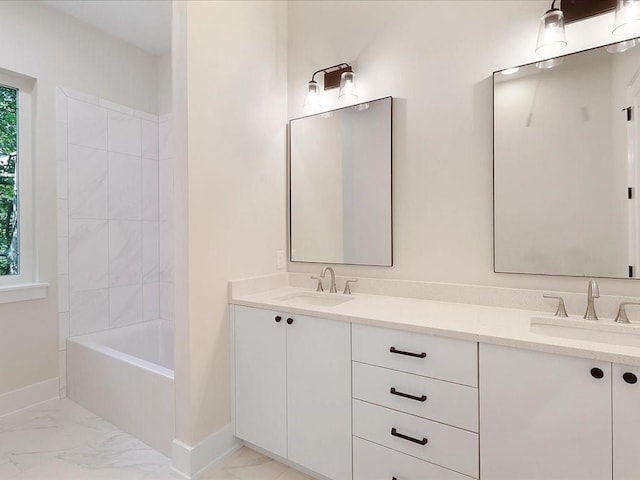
(191, 461)
(28, 396)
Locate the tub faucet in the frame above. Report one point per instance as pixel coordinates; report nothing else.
(333, 288)
(592, 292)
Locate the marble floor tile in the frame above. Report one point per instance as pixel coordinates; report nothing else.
(59, 440)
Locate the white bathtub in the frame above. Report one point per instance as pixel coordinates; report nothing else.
(125, 375)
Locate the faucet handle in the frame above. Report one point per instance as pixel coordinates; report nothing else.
(561, 311)
(319, 287)
(347, 288)
(621, 317)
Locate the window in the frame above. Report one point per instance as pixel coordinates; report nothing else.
(17, 254)
(9, 248)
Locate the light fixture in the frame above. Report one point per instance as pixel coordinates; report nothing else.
(547, 64)
(551, 35)
(510, 71)
(340, 75)
(627, 17)
(312, 99)
(623, 46)
(348, 89)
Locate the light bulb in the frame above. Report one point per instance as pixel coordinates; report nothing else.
(312, 99)
(348, 89)
(551, 35)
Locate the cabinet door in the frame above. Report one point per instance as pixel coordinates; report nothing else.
(543, 416)
(260, 378)
(626, 422)
(319, 395)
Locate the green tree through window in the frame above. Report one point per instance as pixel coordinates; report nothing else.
(8, 185)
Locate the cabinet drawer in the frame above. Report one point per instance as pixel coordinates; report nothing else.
(446, 446)
(373, 462)
(436, 357)
(444, 402)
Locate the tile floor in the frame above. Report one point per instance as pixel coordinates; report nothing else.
(60, 440)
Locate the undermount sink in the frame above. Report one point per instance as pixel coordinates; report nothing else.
(315, 299)
(602, 331)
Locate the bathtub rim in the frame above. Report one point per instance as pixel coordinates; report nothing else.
(90, 341)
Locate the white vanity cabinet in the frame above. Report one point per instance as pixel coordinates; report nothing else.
(415, 406)
(293, 388)
(547, 416)
(626, 422)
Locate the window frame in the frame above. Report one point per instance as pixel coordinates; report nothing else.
(27, 274)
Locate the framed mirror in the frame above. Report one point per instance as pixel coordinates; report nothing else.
(566, 179)
(340, 185)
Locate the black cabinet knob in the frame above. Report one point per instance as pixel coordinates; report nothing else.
(278, 318)
(289, 321)
(629, 378)
(597, 373)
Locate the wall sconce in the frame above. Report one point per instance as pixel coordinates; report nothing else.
(551, 36)
(340, 75)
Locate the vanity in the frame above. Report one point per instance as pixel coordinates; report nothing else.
(379, 387)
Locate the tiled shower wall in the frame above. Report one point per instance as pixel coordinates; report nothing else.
(111, 177)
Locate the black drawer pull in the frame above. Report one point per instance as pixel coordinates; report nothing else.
(422, 398)
(410, 354)
(395, 433)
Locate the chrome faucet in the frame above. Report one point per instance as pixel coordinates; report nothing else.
(333, 288)
(592, 292)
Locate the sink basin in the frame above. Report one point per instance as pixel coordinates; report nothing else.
(315, 299)
(601, 331)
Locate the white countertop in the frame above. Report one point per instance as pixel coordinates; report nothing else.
(501, 326)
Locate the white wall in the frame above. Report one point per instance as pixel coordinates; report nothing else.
(57, 50)
(436, 59)
(229, 89)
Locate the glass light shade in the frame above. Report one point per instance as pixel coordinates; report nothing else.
(348, 89)
(551, 36)
(623, 46)
(627, 18)
(547, 64)
(312, 98)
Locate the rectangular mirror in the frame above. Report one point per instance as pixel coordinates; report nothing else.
(565, 165)
(340, 185)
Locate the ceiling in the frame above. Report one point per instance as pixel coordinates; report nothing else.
(143, 23)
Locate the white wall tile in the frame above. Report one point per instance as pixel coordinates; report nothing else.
(61, 106)
(165, 130)
(124, 134)
(63, 293)
(146, 116)
(150, 200)
(89, 312)
(151, 301)
(125, 305)
(125, 253)
(116, 107)
(149, 139)
(166, 253)
(61, 160)
(83, 97)
(62, 373)
(150, 252)
(88, 169)
(165, 189)
(125, 192)
(166, 301)
(63, 217)
(88, 254)
(63, 255)
(87, 124)
(63, 330)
